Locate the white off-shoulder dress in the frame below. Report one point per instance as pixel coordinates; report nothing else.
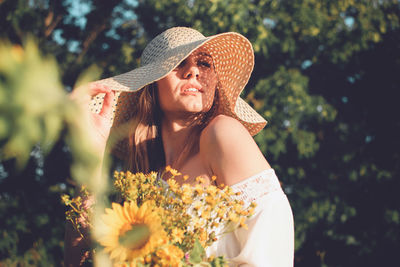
(269, 239)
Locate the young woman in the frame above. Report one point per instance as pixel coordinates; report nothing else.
(186, 113)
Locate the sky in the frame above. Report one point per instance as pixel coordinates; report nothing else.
(77, 13)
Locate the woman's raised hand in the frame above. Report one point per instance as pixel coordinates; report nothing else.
(100, 123)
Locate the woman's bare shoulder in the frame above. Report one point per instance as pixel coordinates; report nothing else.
(221, 128)
(230, 151)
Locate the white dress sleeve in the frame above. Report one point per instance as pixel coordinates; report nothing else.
(269, 239)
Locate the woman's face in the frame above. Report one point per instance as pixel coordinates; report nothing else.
(190, 87)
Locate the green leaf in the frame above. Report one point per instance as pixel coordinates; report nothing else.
(218, 262)
(197, 253)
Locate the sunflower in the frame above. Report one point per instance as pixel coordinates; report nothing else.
(131, 232)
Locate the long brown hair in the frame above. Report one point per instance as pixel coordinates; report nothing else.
(146, 152)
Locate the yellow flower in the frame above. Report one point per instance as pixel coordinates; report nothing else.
(147, 259)
(178, 235)
(233, 217)
(172, 171)
(205, 214)
(243, 223)
(131, 232)
(221, 212)
(237, 208)
(200, 180)
(173, 185)
(145, 187)
(203, 237)
(187, 193)
(210, 200)
(197, 205)
(199, 189)
(196, 223)
(170, 256)
(214, 224)
(212, 190)
(134, 263)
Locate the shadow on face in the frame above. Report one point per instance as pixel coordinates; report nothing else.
(190, 86)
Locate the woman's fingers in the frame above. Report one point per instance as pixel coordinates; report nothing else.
(108, 102)
(84, 93)
(100, 123)
(97, 88)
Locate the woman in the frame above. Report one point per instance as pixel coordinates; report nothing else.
(187, 114)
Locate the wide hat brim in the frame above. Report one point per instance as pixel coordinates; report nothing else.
(233, 58)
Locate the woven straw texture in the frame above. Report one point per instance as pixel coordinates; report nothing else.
(233, 59)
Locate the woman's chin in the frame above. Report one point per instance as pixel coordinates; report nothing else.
(195, 108)
(199, 110)
(188, 109)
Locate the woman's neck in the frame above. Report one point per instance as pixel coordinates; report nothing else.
(175, 135)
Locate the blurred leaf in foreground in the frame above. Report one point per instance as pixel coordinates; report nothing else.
(31, 101)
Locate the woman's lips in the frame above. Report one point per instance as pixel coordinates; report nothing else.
(190, 89)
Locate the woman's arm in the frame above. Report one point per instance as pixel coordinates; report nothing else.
(76, 247)
(231, 154)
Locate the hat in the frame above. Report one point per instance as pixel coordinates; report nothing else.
(233, 59)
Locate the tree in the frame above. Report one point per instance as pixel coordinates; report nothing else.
(325, 77)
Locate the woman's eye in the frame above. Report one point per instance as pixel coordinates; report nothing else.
(204, 64)
(181, 65)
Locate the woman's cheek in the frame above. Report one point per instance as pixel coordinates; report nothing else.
(208, 80)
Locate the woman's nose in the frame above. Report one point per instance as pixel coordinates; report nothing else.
(192, 70)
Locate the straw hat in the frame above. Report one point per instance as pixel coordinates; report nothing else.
(233, 59)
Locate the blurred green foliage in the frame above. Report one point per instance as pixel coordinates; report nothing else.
(27, 83)
(36, 116)
(325, 78)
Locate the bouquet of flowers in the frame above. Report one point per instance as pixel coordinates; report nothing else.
(163, 223)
